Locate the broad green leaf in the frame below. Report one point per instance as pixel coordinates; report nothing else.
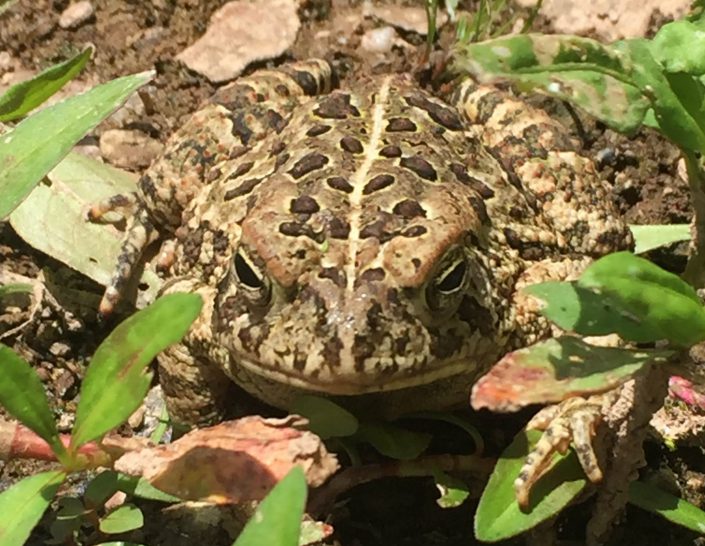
(680, 47)
(591, 75)
(116, 381)
(24, 503)
(393, 441)
(27, 95)
(140, 487)
(326, 418)
(674, 509)
(498, 515)
(52, 220)
(649, 237)
(277, 520)
(36, 144)
(554, 369)
(121, 520)
(101, 488)
(453, 490)
(22, 396)
(660, 303)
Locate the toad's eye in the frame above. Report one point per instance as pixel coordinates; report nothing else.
(251, 279)
(445, 289)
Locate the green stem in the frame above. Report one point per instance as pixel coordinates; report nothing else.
(695, 268)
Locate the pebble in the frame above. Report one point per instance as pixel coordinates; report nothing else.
(76, 14)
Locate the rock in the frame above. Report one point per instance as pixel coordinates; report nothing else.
(378, 40)
(129, 149)
(76, 14)
(607, 19)
(242, 32)
(411, 19)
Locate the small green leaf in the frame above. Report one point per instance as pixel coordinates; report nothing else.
(27, 95)
(15, 288)
(25, 502)
(277, 520)
(37, 143)
(140, 487)
(453, 490)
(121, 520)
(326, 418)
(22, 395)
(393, 441)
(674, 509)
(116, 382)
(498, 515)
(660, 303)
(649, 237)
(554, 369)
(101, 488)
(680, 47)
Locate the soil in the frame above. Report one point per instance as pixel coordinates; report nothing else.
(135, 35)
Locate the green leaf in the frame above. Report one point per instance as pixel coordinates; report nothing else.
(326, 418)
(649, 237)
(22, 396)
(498, 515)
(593, 76)
(26, 501)
(393, 441)
(277, 520)
(660, 303)
(453, 490)
(15, 288)
(121, 520)
(116, 382)
(27, 95)
(101, 488)
(36, 144)
(674, 509)
(680, 47)
(554, 369)
(140, 487)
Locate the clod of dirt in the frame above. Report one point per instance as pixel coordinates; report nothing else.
(129, 149)
(76, 14)
(242, 32)
(406, 18)
(606, 19)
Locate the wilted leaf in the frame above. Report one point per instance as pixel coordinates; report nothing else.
(121, 520)
(52, 219)
(36, 144)
(314, 533)
(498, 515)
(326, 418)
(26, 501)
(116, 382)
(453, 490)
(393, 441)
(232, 462)
(674, 509)
(27, 95)
(277, 520)
(649, 237)
(556, 369)
(22, 396)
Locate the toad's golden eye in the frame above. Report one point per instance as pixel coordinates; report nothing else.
(445, 289)
(252, 280)
(453, 278)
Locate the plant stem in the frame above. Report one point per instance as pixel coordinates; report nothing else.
(695, 268)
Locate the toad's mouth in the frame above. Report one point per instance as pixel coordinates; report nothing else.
(337, 382)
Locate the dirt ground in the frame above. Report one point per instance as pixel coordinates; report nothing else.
(135, 35)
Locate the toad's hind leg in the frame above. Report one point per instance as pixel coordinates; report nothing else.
(198, 153)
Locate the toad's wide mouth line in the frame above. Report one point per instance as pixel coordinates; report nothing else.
(359, 383)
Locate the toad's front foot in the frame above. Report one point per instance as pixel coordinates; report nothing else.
(575, 420)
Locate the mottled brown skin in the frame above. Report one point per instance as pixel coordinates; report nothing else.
(366, 243)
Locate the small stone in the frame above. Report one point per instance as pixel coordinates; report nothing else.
(76, 14)
(129, 149)
(378, 40)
